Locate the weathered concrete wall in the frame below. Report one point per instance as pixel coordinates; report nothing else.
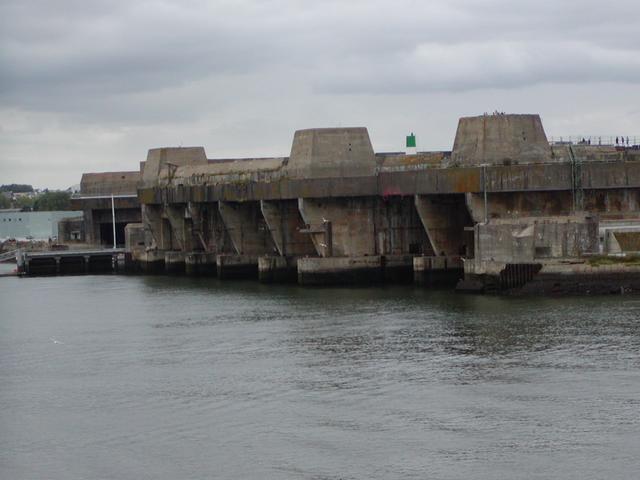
(181, 234)
(221, 172)
(214, 233)
(614, 203)
(97, 211)
(95, 218)
(123, 215)
(195, 222)
(200, 263)
(365, 226)
(619, 235)
(500, 140)
(628, 241)
(437, 271)
(431, 181)
(352, 225)
(398, 227)
(71, 230)
(284, 222)
(174, 261)
(519, 204)
(401, 162)
(161, 162)
(156, 234)
(340, 270)
(578, 277)
(247, 229)
(190, 227)
(237, 266)
(587, 153)
(95, 201)
(607, 204)
(528, 240)
(581, 279)
(134, 237)
(273, 269)
(444, 218)
(107, 183)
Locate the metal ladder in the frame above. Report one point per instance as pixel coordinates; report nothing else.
(576, 182)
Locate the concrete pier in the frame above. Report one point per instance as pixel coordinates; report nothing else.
(397, 268)
(438, 271)
(200, 263)
(150, 262)
(231, 266)
(577, 277)
(278, 269)
(174, 262)
(584, 278)
(340, 270)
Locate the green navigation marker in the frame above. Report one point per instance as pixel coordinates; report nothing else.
(411, 140)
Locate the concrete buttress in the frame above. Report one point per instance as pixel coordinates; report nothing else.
(246, 227)
(249, 236)
(352, 225)
(180, 227)
(444, 218)
(284, 222)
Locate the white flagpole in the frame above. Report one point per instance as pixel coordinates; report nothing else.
(113, 220)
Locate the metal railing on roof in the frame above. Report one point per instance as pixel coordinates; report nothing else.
(8, 255)
(81, 196)
(598, 140)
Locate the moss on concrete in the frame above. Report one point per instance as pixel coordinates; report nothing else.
(603, 260)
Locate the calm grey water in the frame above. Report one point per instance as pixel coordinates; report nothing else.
(172, 378)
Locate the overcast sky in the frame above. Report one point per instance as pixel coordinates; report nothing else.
(91, 85)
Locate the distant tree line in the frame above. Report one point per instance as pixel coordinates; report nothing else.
(43, 202)
(52, 201)
(16, 188)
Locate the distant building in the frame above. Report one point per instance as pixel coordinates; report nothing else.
(71, 230)
(32, 225)
(94, 199)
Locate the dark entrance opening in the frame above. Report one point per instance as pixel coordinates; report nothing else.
(106, 234)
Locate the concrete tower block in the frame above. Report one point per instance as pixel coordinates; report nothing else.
(158, 158)
(107, 183)
(500, 139)
(331, 152)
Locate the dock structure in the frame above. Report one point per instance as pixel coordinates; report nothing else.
(499, 210)
(10, 255)
(334, 211)
(70, 262)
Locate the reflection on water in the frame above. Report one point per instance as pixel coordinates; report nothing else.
(6, 268)
(157, 377)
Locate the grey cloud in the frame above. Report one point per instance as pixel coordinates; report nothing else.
(117, 76)
(141, 50)
(113, 47)
(439, 67)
